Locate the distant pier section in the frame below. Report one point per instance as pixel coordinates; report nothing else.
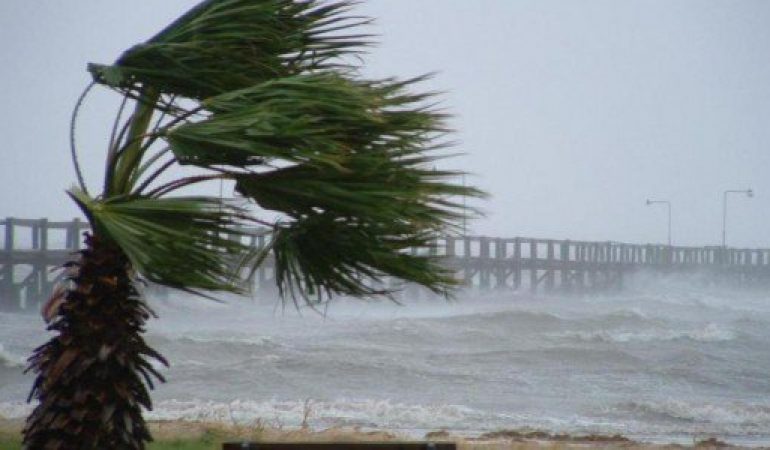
(34, 248)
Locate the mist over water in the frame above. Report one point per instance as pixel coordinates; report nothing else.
(662, 360)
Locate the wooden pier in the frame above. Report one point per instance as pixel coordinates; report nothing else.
(34, 248)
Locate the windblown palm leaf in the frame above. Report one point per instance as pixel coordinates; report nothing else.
(182, 242)
(258, 94)
(323, 254)
(222, 45)
(320, 118)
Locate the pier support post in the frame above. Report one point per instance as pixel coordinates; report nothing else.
(9, 294)
(501, 270)
(564, 253)
(533, 266)
(550, 267)
(484, 267)
(517, 263)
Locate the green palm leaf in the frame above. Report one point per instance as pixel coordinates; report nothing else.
(373, 187)
(325, 255)
(222, 45)
(277, 113)
(319, 118)
(191, 243)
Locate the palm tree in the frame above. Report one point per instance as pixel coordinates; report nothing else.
(263, 94)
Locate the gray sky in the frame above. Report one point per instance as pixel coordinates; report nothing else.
(570, 113)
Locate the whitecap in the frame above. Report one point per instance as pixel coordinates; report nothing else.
(322, 413)
(8, 359)
(15, 410)
(727, 414)
(711, 332)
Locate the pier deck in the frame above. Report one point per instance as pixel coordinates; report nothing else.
(33, 249)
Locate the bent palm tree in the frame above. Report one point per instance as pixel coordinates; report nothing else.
(259, 93)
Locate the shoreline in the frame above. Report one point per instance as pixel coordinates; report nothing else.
(217, 432)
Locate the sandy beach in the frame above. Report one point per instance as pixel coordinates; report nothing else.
(216, 433)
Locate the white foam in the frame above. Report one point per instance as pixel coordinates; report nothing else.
(708, 333)
(15, 410)
(727, 414)
(318, 414)
(218, 337)
(8, 359)
(367, 413)
(412, 419)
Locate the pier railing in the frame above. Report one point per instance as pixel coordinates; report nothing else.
(32, 248)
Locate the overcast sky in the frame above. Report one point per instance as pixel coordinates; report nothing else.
(570, 113)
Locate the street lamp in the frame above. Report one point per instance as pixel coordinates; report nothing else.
(667, 203)
(465, 211)
(749, 193)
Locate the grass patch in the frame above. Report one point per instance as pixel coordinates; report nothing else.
(208, 441)
(11, 442)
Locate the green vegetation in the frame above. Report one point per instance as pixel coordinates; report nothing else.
(9, 441)
(262, 96)
(14, 443)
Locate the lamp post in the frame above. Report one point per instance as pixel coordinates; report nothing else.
(465, 212)
(667, 203)
(749, 193)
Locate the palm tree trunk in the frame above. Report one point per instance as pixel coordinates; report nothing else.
(92, 376)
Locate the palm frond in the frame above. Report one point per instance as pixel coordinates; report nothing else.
(186, 242)
(325, 255)
(222, 45)
(320, 119)
(352, 170)
(373, 187)
(349, 162)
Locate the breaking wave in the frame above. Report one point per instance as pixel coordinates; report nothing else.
(728, 417)
(15, 410)
(709, 333)
(8, 359)
(321, 414)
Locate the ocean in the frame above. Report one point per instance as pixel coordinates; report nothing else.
(662, 361)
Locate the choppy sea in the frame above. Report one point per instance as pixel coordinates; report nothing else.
(661, 361)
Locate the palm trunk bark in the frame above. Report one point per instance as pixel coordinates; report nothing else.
(92, 376)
